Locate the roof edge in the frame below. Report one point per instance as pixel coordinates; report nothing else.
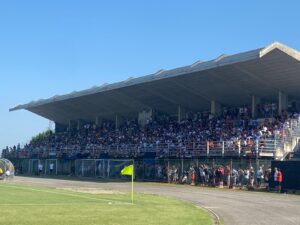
(284, 48)
(198, 66)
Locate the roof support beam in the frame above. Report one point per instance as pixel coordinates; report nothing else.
(282, 102)
(254, 102)
(215, 108)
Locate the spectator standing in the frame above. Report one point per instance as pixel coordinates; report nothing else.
(275, 178)
(251, 177)
(234, 176)
(246, 177)
(51, 168)
(279, 180)
(40, 168)
(227, 175)
(222, 173)
(202, 175)
(268, 178)
(193, 176)
(259, 176)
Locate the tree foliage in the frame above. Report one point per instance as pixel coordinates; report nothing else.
(41, 136)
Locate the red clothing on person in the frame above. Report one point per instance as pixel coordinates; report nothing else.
(279, 177)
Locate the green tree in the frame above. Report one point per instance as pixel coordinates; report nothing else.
(41, 136)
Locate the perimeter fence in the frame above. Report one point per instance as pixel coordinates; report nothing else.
(146, 169)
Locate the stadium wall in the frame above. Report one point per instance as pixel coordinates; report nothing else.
(291, 176)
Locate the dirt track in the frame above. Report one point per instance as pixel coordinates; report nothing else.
(233, 207)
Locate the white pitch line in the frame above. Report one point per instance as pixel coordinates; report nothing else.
(217, 218)
(49, 204)
(67, 194)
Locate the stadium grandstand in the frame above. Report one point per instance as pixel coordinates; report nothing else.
(240, 108)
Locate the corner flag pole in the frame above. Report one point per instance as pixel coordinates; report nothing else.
(129, 171)
(132, 183)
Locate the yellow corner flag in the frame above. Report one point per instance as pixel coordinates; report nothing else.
(129, 170)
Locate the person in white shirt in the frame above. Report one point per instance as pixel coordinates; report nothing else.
(275, 178)
(40, 168)
(51, 168)
(275, 174)
(259, 176)
(246, 177)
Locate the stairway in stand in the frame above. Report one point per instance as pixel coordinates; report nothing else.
(296, 154)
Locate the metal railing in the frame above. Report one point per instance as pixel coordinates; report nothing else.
(262, 147)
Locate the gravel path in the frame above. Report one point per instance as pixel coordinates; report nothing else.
(233, 207)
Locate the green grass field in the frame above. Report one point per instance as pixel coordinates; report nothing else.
(27, 205)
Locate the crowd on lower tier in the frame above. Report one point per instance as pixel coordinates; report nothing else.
(218, 176)
(163, 135)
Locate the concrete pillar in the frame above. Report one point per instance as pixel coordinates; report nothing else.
(71, 125)
(78, 124)
(282, 102)
(297, 104)
(255, 102)
(117, 121)
(179, 114)
(144, 117)
(60, 127)
(215, 108)
(98, 121)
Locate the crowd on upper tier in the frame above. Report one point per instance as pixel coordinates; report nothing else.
(162, 134)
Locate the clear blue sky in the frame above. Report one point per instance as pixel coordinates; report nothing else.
(55, 47)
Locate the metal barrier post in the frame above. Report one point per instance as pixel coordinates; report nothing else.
(103, 167)
(82, 167)
(256, 148)
(223, 148)
(108, 168)
(46, 166)
(96, 167)
(207, 148)
(56, 166)
(168, 171)
(255, 171)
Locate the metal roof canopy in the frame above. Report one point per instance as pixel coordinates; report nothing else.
(229, 80)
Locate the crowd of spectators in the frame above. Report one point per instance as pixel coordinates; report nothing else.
(218, 176)
(234, 130)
